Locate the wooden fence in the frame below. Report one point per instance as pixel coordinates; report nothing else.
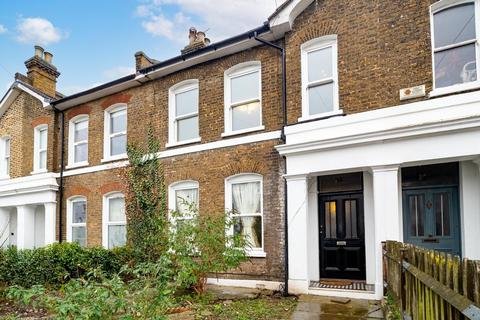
(427, 284)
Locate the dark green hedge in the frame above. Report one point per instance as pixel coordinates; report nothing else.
(56, 264)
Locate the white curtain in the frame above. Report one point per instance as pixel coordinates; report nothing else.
(246, 200)
(185, 198)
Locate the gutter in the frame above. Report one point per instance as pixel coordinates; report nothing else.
(62, 169)
(282, 137)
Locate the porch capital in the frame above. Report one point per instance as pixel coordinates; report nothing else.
(386, 168)
(295, 177)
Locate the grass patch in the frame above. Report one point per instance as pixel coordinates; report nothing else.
(391, 309)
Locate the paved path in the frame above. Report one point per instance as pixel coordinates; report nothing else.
(322, 308)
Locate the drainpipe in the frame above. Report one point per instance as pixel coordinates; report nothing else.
(62, 165)
(282, 137)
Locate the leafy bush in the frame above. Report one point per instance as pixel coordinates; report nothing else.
(57, 263)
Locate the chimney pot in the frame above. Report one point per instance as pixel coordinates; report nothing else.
(48, 57)
(201, 36)
(39, 52)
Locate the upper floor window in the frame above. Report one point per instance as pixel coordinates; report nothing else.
(183, 113)
(244, 198)
(115, 140)
(319, 77)
(182, 196)
(78, 141)
(77, 220)
(5, 157)
(40, 148)
(114, 220)
(455, 46)
(243, 98)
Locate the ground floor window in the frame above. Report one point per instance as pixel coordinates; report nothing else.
(183, 198)
(244, 199)
(115, 221)
(77, 220)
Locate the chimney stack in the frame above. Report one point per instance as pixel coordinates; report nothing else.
(197, 40)
(41, 72)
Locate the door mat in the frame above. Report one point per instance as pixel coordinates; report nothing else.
(341, 285)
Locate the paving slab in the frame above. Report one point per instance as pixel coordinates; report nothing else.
(318, 307)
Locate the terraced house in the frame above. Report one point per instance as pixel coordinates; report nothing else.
(332, 127)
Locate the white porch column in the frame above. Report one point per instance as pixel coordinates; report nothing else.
(297, 197)
(470, 208)
(50, 222)
(387, 214)
(25, 227)
(4, 227)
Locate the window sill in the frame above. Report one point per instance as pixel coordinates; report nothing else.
(256, 254)
(77, 165)
(114, 158)
(234, 133)
(39, 171)
(181, 143)
(454, 89)
(4, 177)
(320, 115)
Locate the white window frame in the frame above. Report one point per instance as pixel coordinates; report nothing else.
(181, 87)
(106, 132)
(105, 215)
(72, 143)
(306, 48)
(70, 224)
(172, 199)
(37, 151)
(233, 72)
(5, 157)
(245, 178)
(440, 6)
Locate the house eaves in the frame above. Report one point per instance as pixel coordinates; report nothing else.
(14, 91)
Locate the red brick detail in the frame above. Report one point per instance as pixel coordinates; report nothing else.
(78, 191)
(110, 187)
(78, 111)
(118, 98)
(40, 120)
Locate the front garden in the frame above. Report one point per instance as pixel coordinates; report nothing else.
(161, 273)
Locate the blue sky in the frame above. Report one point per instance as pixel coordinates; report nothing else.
(94, 41)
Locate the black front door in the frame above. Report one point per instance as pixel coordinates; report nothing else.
(342, 244)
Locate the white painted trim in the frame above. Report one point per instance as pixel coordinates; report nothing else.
(105, 215)
(243, 131)
(184, 86)
(106, 131)
(238, 70)
(184, 142)
(181, 185)
(272, 135)
(71, 142)
(245, 178)
(36, 149)
(240, 283)
(8, 99)
(45, 102)
(70, 202)
(329, 41)
(282, 20)
(440, 6)
(4, 164)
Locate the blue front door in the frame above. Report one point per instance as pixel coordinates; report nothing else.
(431, 218)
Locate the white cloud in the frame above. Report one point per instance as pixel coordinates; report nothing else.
(118, 72)
(2, 29)
(38, 31)
(221, 18)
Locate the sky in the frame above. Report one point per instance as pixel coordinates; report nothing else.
(94, 41)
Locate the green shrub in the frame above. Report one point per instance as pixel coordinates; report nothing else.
(57, 263)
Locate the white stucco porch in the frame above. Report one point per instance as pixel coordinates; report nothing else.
(379, 144)
(28, 211)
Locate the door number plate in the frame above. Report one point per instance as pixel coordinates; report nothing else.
(341, 243)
